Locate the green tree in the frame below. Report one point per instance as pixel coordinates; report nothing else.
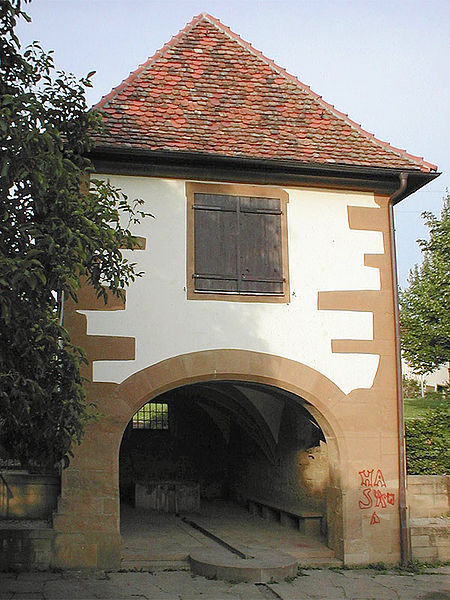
(53, 232)
(425, 304)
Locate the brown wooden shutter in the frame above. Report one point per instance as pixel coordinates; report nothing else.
(260, 245)
(237, 244)
(215, 226)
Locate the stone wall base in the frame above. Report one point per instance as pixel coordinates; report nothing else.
(94, 550)
(430, 539)
(428, 495)
(25, 549)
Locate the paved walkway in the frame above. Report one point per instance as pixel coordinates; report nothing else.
(152, 539)
(323, 584)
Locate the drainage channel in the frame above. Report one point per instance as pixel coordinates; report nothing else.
(229, 563)
(216, 539)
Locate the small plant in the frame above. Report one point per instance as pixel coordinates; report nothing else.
(416, 567)
(379, 566)
(412, 567)
(411, 387)
(132, 570)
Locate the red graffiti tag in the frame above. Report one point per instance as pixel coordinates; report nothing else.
(374, 519)
(380, 498)
(374, 497)
(368, 480)
(379, 479)
(367, 503)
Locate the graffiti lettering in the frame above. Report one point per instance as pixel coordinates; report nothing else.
(374, 518)
(381, 498)
(372, 496)
(366, 478)
(379, 479)
(368, 502)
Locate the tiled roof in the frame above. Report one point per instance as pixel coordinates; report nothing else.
(207, 91)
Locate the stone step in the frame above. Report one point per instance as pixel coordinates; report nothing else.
(264, 566)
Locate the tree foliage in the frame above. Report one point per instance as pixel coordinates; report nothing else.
(53, 231)
(425, 304)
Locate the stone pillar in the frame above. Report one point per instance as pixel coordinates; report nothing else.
(86, 524)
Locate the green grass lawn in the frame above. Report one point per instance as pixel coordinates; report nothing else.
(416, 407)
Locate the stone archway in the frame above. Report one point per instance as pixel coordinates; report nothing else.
(87, 523)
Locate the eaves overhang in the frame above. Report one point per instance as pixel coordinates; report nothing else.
(243, 169)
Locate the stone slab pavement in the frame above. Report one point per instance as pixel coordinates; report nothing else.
(319, 584)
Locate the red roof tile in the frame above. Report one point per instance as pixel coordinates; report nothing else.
(208, 91)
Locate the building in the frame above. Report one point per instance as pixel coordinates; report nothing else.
(257, 357)
(435, 381)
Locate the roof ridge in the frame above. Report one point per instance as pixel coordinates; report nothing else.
(343, 116)
(133, 74)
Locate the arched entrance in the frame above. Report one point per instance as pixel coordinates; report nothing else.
(97, 460)
(218, 457)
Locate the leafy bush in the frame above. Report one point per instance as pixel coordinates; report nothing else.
(427, 443)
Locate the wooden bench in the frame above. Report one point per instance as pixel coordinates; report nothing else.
(308, 522)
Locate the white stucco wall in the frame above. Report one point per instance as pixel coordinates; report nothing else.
(324, 254)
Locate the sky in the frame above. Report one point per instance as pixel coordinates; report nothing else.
(382, 62)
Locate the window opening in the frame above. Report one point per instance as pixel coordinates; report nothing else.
(153, 415)
(244, 248)
(237, 242)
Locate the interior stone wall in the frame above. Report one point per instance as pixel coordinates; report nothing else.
(191, 449)
(300, 474)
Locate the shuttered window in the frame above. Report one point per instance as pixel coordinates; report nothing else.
(238, 245)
